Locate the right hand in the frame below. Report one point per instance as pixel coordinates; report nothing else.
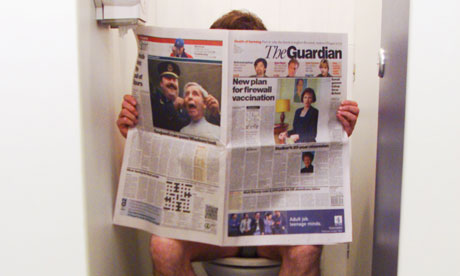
(178, 103)
(128, 115)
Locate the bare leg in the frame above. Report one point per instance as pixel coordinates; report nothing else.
(173, 257)
(300, 260)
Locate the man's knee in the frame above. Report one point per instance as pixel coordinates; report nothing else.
(167, 251)
(303, 253)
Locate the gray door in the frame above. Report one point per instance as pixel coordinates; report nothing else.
(395, 24)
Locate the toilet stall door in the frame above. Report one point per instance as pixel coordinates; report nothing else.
(392, 99)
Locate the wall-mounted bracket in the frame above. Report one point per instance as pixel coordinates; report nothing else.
(116, 13)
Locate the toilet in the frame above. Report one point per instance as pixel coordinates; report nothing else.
(239, 266)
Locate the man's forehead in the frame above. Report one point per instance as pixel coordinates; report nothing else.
(169, 77)
(193, 88)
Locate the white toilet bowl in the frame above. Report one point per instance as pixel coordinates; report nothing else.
(242, 267)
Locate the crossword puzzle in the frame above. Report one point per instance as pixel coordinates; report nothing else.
(177, 197)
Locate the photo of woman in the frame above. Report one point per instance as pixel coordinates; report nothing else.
(305, 123)
(324, 68)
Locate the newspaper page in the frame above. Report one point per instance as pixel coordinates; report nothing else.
(288, 166)
(172, 181)
(237, 141)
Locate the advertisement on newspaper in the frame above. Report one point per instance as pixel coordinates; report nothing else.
(237, 141)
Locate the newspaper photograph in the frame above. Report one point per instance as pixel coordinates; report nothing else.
(237, 141)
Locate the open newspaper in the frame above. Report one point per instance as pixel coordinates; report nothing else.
(238, 141)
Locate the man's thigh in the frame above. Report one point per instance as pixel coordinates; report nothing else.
(297, 252)
(193, 251)
(207, 252)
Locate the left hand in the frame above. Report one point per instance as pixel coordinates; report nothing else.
(212, 105)
(347, 114)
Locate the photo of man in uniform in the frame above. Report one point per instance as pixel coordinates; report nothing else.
(178, 49)
(166, 111)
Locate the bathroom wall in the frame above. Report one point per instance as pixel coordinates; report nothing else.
(42, 228)
(429, 235)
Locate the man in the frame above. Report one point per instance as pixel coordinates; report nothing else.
(234, 226)
(178, 49)
(165, 101)
(194, 102)
(260, 66)
(257, 225)
(173, 257)
(307, 158)
(279, 223)
(293, 65)
(245, 225)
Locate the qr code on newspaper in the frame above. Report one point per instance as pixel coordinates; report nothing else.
(211, 212)
(177, 197)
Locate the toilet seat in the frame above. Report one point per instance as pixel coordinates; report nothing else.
(246, 262)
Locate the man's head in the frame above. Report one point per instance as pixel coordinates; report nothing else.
(293, 65)
(239, 20)
(324, 67)
(277, 213)
(246, 215)
(257, 216)
(307, 158)
(178, 47)
(169, 79)
(194, 100)
(260, 66)
(234, 216)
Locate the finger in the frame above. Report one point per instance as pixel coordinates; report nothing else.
(209, 100)
(125, 122)
(350, 117)
(131, 108)
(128, 114)
(349, 102)
(345, 122)
(350, 108)
(130, 99)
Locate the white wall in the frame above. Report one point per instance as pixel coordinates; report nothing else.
(367, 23)
(430, 223)
(42, 224)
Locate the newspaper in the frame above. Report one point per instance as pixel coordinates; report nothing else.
(237, 141)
